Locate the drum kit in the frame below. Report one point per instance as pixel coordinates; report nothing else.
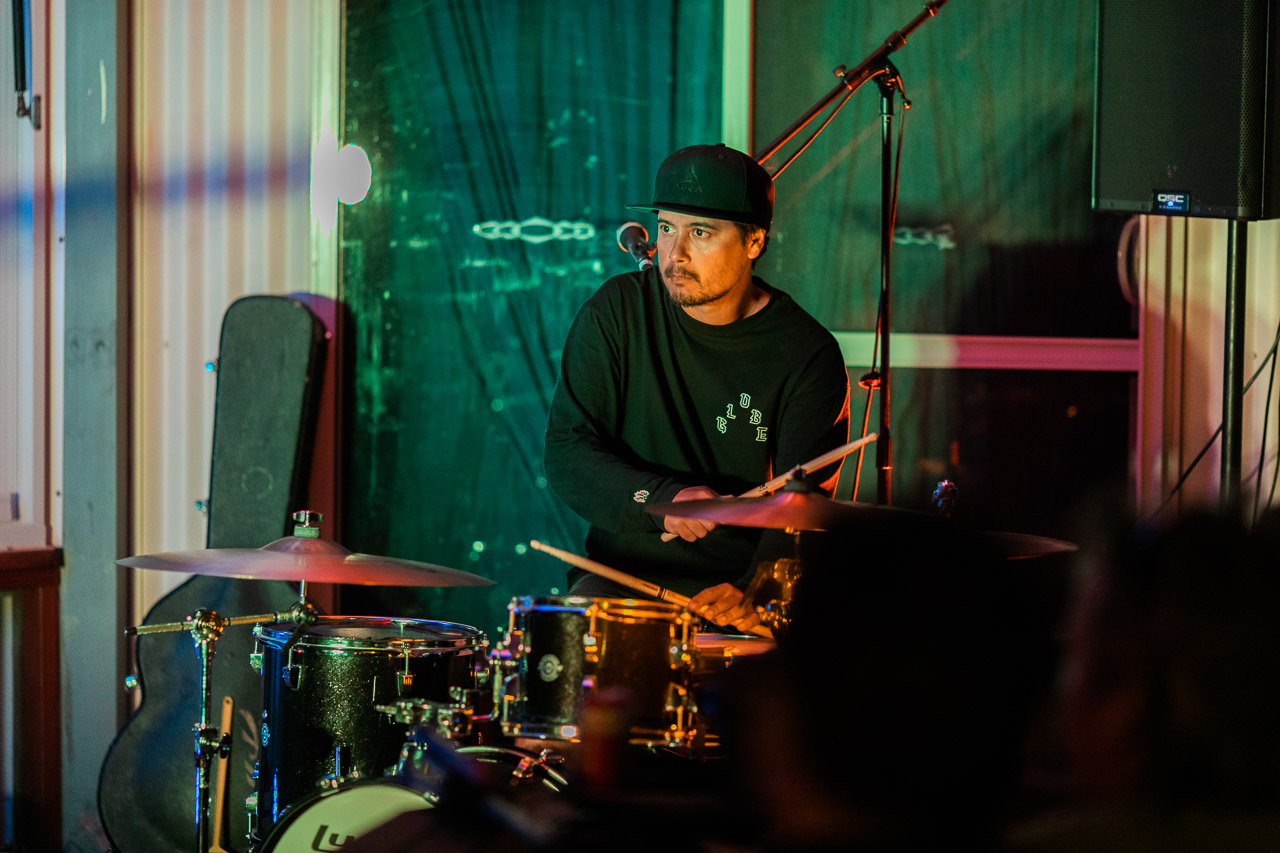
(364, 718)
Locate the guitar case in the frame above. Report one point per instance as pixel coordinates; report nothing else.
(271, 355)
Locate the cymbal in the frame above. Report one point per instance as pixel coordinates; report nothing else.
(300, 558)
(813, 510)
(783, 510)
(1022, 546)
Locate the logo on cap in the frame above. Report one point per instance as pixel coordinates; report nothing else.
(689, 183)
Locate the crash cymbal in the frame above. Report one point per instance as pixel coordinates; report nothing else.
(782, 510)
(1022, 546)
(305, 558)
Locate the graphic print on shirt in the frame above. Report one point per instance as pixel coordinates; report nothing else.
(741, 411)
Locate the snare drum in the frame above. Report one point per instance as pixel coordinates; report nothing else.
(716, 652)
(557, 650)
(320, 698)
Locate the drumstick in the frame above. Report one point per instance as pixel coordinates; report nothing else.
(658, 592)
(220, 786)
(812, 465)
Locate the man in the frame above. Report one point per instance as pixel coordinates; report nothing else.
(688, 381)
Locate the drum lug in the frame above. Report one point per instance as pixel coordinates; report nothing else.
(255, 661)
(405, 682)
(677, 697)
(508, 689)
(291, 673)
(501, 673)
(547, 757)
(335, 781)
(480, 673)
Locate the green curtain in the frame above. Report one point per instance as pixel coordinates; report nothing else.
(505, 140)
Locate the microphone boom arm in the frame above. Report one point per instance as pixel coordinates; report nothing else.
(851, 81)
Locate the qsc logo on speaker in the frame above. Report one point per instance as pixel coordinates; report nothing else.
(1172, 202)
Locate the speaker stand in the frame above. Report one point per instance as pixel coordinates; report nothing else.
(1233, 364)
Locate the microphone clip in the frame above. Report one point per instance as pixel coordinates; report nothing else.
(634, 240)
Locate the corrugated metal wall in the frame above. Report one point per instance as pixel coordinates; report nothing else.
(1182, 270)
(229, 98)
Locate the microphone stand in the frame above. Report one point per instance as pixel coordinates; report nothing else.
(876, 65)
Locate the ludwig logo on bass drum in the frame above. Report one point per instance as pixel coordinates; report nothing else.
(332, 844)
(549, 668)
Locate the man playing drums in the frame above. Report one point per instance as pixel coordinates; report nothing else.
(691, 380)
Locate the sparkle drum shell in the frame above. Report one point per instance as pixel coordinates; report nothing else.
(320, 698)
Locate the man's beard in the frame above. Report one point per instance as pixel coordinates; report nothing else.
(682, 297)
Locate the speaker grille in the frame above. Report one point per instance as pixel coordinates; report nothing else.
(1184, 107)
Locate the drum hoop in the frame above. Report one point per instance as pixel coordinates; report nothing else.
(611, 609)
(292, 812)
(276, 634)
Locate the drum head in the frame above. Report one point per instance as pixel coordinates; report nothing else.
(331, 819)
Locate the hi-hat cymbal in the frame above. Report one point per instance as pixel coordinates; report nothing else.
(782, 510)
(301, 558)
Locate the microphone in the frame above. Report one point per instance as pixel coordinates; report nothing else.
(634, 240)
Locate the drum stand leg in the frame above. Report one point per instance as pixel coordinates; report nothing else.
(206, 627)
(208, 741)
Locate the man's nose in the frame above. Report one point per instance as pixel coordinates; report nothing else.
(678, 248)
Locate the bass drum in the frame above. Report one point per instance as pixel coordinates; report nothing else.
(332, 818)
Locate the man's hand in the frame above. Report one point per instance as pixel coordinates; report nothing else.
(691, 529)
(724, 605)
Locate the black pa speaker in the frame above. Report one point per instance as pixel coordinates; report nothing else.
(1185, 114)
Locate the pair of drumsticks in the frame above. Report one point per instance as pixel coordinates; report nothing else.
(662, 593)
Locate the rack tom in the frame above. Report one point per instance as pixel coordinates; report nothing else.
(560, 650)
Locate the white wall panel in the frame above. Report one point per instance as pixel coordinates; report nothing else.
(1183, 267)
(224, 103)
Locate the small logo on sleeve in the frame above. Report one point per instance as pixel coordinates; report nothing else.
(641, 496)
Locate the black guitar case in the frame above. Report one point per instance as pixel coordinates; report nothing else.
(271, 357)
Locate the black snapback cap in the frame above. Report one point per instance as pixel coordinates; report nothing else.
(715, 181)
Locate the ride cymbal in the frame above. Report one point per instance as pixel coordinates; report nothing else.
(303, 558)
(813, 510)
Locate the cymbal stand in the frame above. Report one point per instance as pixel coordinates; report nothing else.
(206, 627)
(876, 66)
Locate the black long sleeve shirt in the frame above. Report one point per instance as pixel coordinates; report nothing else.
(651, 401)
